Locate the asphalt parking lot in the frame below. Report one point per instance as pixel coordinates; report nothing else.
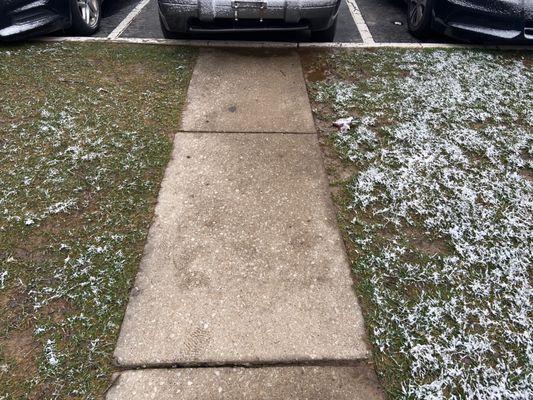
(384, 20)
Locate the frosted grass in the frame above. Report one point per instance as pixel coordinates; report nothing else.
(442, 216)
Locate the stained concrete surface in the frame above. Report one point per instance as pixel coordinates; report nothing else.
(244, 261)
(247, 91)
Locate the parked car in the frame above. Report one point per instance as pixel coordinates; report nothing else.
(180, 17)
(473, 20)
(23, 18)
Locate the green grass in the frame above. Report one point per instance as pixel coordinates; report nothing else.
(85, 134)
(434, 187)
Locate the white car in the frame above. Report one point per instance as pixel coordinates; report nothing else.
(216, 16)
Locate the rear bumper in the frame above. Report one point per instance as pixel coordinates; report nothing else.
(485, 21)
(229, 26)
(219, 16)
(22, 19)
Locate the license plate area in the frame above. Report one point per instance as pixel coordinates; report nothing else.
(238, 5)
(243, 5)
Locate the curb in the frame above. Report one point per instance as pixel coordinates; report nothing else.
(281, 45)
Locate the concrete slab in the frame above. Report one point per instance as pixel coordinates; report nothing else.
(243, 90)
(280, 383)
(244, 262)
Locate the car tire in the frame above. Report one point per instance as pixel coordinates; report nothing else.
(169, 34)
(325, 36)
(86, 16)
(420, 17)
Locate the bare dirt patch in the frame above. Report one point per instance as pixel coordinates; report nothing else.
(20, 351)
(425, 243)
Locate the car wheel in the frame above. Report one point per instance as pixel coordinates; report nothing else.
(325, 36)
(86, 16)
(419, 17)
(169, 34)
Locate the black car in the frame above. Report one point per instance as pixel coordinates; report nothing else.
(473, 20)
(23, 18)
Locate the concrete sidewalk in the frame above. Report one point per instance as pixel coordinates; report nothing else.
(276, 383)
(244, 264)
(242, 90)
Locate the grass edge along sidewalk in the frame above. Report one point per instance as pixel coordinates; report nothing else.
(433, 183)
(85, 134)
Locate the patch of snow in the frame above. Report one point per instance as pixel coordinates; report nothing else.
(50, 353)
(3, 276)
(62, 206)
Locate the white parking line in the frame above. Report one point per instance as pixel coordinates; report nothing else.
(128, 20)
(360, 22)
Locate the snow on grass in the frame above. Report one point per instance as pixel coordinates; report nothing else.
(440, 212)
(82, 157)
(3, 277)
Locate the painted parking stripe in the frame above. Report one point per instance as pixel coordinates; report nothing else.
(128, 20)
(360, 22)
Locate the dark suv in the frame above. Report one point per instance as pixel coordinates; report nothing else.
(473, 20)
